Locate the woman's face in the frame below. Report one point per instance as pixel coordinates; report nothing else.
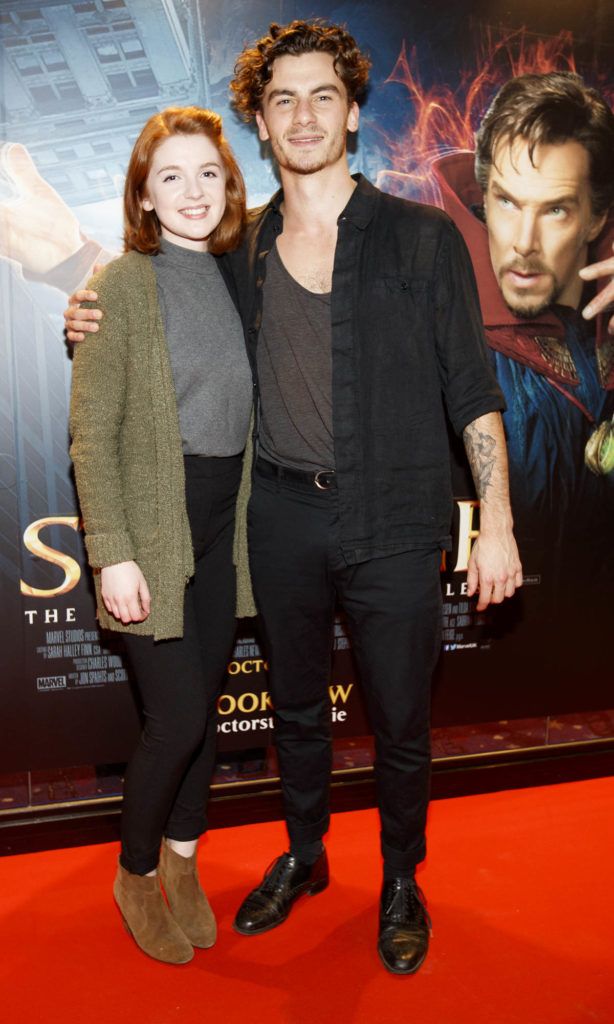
(186, 186)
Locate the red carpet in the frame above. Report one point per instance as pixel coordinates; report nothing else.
(520, 888)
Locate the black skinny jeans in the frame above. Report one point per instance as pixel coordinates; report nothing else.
(168, 778)
(393, 610)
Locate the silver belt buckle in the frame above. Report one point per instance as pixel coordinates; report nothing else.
(323, 485)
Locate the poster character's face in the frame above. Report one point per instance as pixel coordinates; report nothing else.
(306, 114)
(186, 186)
(540, 222)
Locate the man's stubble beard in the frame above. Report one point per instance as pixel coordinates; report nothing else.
(334, 152)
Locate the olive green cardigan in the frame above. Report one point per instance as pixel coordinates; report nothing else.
(127, 452)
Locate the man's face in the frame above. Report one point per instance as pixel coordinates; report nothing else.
(305, 113)
(540, 222)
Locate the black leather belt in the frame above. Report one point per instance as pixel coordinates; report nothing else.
(322, 480)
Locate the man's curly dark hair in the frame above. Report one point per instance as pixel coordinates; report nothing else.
(254, 66)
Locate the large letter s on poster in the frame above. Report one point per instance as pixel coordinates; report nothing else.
(32, 541)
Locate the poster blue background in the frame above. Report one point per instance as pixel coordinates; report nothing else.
(79, 79)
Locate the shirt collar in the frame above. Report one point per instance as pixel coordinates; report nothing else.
(359, 208)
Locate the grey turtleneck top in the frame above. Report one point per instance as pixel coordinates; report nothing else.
(211, 372)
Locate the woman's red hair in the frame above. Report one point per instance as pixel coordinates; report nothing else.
(142, 227)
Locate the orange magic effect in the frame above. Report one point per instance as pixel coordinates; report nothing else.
(446, 119)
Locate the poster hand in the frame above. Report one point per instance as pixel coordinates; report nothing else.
(37, 228)
(595, 271)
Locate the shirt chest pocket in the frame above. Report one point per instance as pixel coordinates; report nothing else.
(399, 286)
(389, 293)
(397, 309)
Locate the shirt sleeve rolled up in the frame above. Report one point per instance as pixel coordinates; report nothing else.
(469, 384)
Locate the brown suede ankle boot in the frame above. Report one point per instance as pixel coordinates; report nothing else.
(148, 919)
(188, 903)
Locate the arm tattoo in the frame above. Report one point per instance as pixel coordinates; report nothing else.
(480, 450)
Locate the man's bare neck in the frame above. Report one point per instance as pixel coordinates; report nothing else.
(311, 208)
(315, 200)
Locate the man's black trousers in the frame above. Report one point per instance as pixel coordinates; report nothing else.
(393, 610)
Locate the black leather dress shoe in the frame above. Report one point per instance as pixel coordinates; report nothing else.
(404, 926)
(270, 903)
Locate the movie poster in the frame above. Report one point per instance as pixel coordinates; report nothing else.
(79, 79)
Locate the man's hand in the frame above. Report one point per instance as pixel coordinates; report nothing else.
(80, 322)
(125, 592)
(37, 228)
(494, 569)
(606, 296)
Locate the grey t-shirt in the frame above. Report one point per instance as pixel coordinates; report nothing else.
(294, 359)
(207, 351)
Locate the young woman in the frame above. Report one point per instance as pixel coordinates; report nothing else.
(161, 402)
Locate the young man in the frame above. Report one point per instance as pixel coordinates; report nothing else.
(363, 329)
(362, 323)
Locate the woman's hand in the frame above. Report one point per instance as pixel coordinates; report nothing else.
(125, 592)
